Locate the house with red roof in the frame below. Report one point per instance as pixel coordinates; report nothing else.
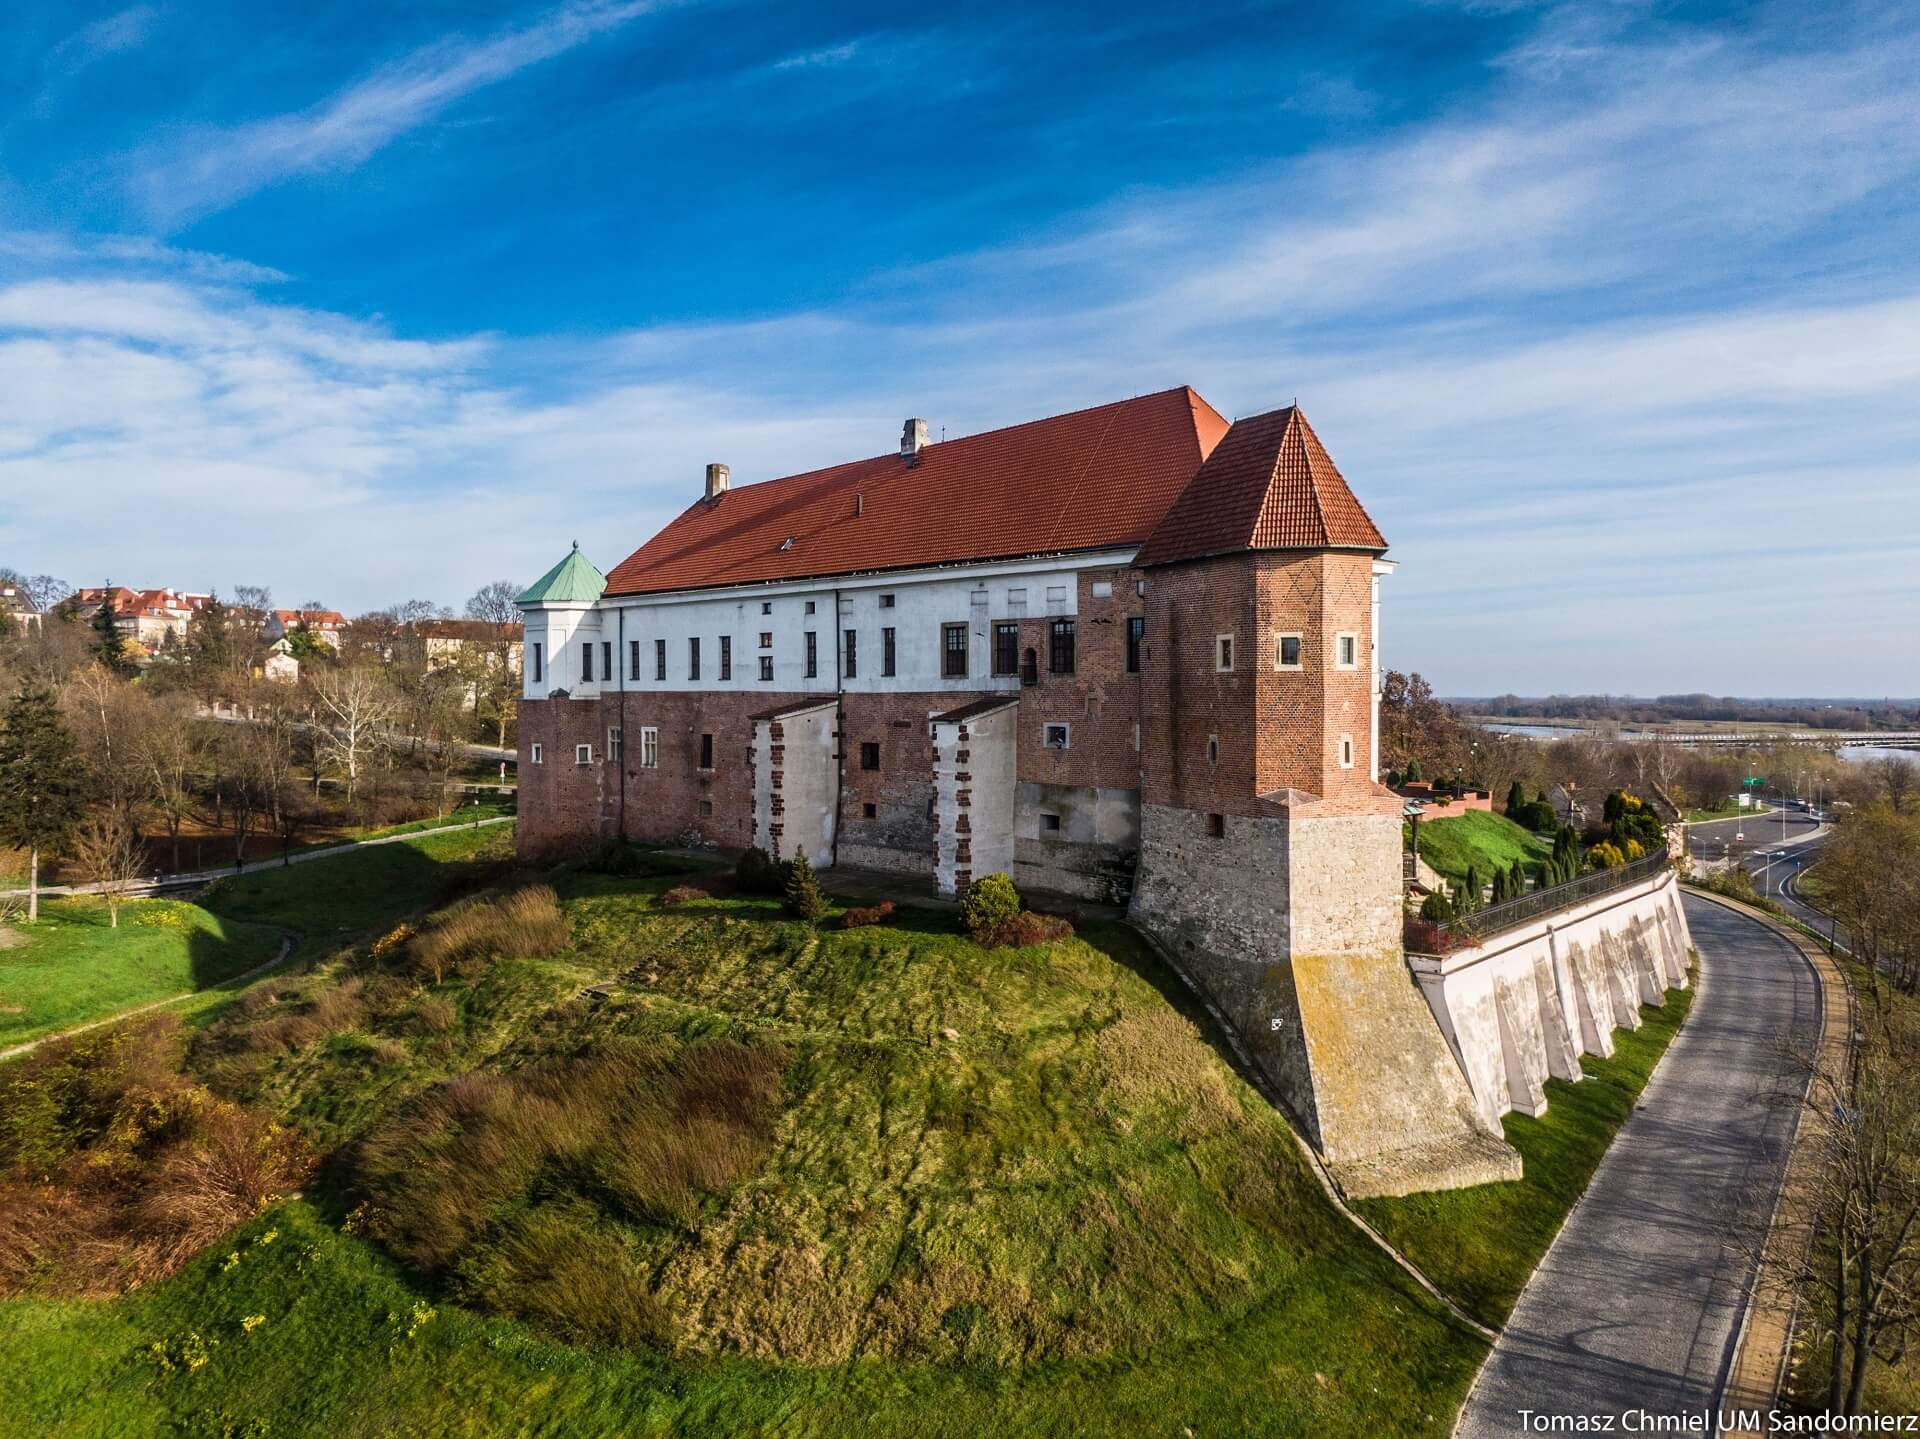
(1126, 654)
(154, 619)
(325, 626)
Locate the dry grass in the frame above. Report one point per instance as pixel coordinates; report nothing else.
(115, 1169)
(478, 931)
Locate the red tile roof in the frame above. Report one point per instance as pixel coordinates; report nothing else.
(313, 619)
(1268, 485)
(1093, 479)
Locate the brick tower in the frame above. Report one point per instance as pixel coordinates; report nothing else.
(1270, 855)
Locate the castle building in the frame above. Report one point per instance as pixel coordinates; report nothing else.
(1128, 653)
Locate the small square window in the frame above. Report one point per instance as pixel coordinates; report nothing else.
(583, 754)
(1223, 653)
(869, 810)
(809, 606)
(1103, 589)
(766, 607)
(766, 639)
(1346, 751)
(1217, 826)
(1049, 821)
(886, 602)
(1347, 650)
(706, 809)
(1056, 736)
(869, 754)
(539, 754)
(1286, 652)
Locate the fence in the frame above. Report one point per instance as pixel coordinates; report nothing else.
(1508, 914)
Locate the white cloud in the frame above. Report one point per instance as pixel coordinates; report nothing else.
(207, 169)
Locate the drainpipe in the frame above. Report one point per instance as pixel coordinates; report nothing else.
(620, 775)
(839, 732)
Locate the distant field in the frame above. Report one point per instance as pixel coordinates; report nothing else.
(71, 968)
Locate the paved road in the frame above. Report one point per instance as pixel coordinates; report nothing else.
(1793, 848)
(1636, 1304)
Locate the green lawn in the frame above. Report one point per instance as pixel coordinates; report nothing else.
(71, 968)
(1481, 1244)
(1729, 810)
(1001, 1192)
(1479, 837)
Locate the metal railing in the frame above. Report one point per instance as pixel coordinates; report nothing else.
(1508, 914)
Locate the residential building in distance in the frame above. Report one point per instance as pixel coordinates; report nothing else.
(324, 625)
(155, 620)
(1126, 654)
(446, 641)
(17, 607)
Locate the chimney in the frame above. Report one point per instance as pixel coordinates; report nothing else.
(717, 477)
(913, 439)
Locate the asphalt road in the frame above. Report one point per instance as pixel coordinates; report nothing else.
(1751, 841)
(1636, 1305)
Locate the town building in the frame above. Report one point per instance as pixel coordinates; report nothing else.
(155, 620)
(1128, 653)
(326, 626)
(17, 607)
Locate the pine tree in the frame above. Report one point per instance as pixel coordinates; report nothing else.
(1517, 881)
(1413, 771)
(804, 899)
(42, 787)
(1516, 799)
(209, 646)
(108, 645)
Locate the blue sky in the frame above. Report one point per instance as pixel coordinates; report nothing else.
(1610, 312)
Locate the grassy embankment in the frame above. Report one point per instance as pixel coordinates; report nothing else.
(774, 1178)
(1479, 837)
(1730, 810)
(71, 969)
(1481, 1244)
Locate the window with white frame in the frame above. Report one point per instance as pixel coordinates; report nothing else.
(538, 755)
(616, 744)
(649, 747)
(1346, 650)
(1346, 751)
(1057, 736)
(1286, 651)
(583, 754)
(1223, 653)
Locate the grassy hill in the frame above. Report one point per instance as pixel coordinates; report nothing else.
(1479, 837)
(690, 1167)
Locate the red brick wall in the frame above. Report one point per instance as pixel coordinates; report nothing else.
(1099, 700)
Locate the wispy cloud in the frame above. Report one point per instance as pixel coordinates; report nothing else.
(206, 170)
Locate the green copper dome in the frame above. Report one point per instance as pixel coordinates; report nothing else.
(573, 581)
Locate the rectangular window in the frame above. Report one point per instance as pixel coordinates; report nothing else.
(606, 659)
(726, 657)
(886, 651)
(583, 754)
(616, 745)
(537, 676)
(1346, 751)
(886, 602)
(1056, 736)
(649, 748)
(853, 654)
(766, 667)
(813, 654)
(1347, 651)
(1060, 647)
(869, 754)
(953, 651)
(1056, 596)
(869, 810)
(706, 809)
(1217, 826)
(766, 639)
(1223, 653)
(1286, 652)
(1006, 648)
(586, 663)
(766, 607)
(693, 657)
(633, 659)
(810, 606)
(660, 659)
(1136, 632)
(1049, 821)
(706, 751)
(1103, 589)
(539, 754)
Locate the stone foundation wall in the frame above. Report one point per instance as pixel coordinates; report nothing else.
(1524, 1006)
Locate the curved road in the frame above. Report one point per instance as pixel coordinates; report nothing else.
(1636, 1304)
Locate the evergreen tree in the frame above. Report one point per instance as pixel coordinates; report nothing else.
(108, 646)
(1516, 799)
(42, 787)
(804, 899)
(1517, 880)
(1413, 771)
(210, 645)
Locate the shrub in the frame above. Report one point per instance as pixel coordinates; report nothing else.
(1436, 908)
(684, 894)
(803, 898)
(1605, 856)
(1027, 928)
(1413, 774)
(756, 873)
(991, 902)
(624, 859)
(862, 916)
(520, 925)
(1516, 800)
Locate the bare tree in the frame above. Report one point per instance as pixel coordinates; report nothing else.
(110, 856)
(1896, 775)
(356, 706)
(173, 748)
